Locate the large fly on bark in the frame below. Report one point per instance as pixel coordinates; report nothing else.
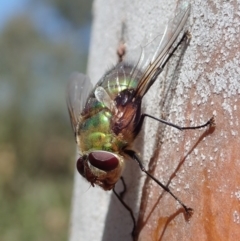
(107, 118)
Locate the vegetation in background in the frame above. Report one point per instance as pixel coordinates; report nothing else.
(36, 143)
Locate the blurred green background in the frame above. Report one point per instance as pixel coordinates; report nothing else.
(41, 43)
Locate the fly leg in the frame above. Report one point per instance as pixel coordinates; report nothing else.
(120, 198)
(121, 51)
(123, 192)
(158, 70)
(133, 155)
(185, 38)
(122, 47)
(210, 122)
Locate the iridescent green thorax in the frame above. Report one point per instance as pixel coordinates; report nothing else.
(96, 134)
(96, 127)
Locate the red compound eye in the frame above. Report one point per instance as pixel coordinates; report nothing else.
(103, 160)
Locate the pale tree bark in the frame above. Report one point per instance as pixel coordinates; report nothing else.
(202, 167)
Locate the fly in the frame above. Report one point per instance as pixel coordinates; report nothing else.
(107, 118)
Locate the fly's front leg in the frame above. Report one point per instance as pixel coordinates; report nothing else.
(123, 192)
(120, 198)
(133, 155)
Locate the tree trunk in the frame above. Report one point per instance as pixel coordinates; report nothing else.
(202, 167)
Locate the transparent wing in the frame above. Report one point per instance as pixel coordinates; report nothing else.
(78, 89)
(140, 65)
(153, 65)
(103, 97)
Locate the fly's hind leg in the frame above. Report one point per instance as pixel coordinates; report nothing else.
(122, 47)
(121, 51)
(210, 123)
